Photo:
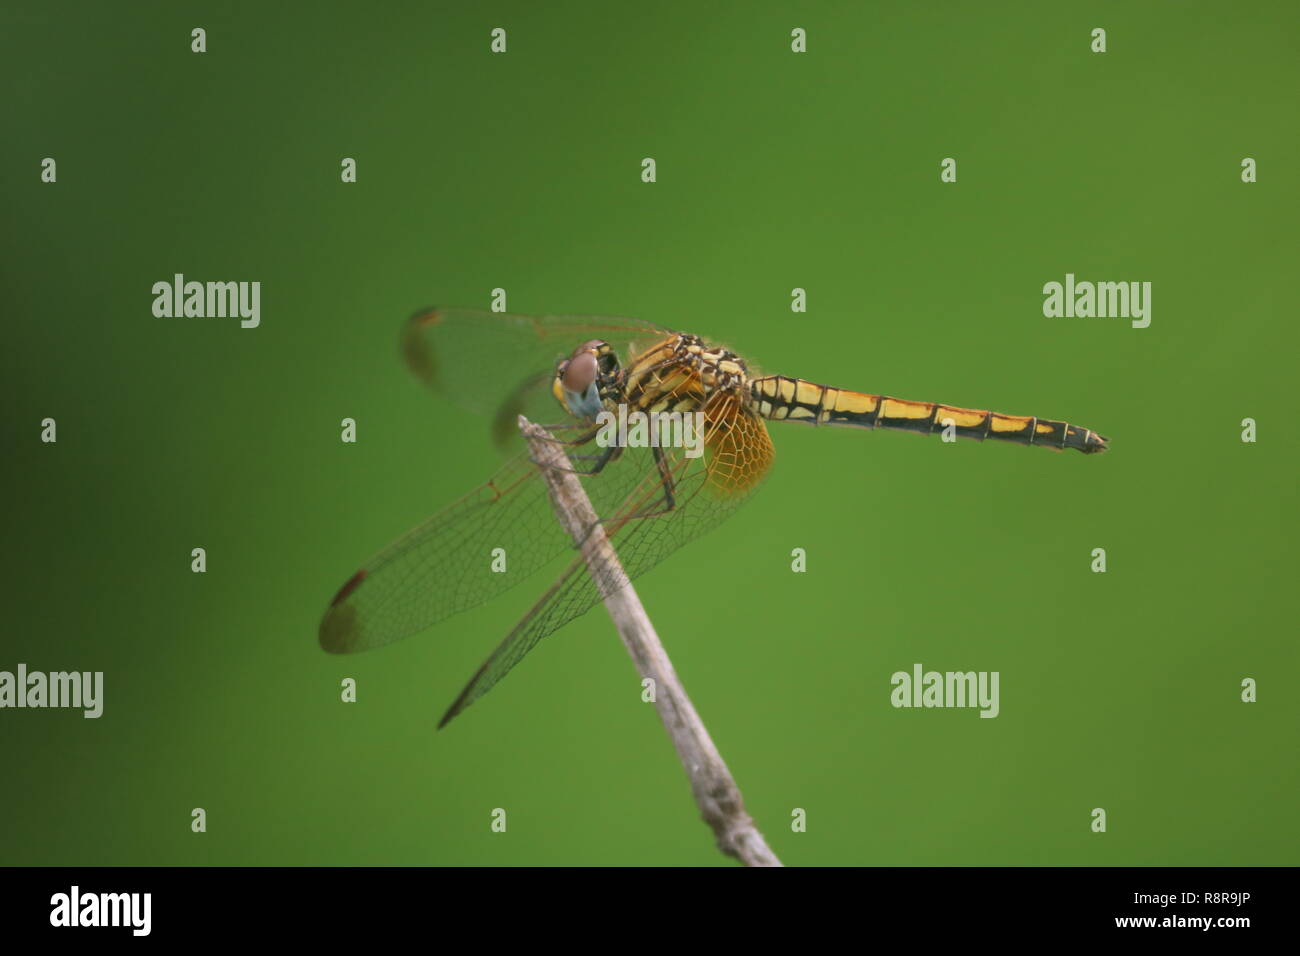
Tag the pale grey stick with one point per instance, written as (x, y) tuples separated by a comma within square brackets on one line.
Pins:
[(715, 791)]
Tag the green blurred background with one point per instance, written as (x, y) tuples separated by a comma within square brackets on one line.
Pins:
[(775, 171)]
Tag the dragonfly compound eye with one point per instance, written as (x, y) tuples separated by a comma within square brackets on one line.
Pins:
[(579, 373), (576, 387)]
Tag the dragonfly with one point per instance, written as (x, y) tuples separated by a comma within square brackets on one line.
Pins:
[(650, 498)]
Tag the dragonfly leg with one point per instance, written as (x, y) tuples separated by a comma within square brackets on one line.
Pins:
[(666, 483), (599, 461), (582, 439)]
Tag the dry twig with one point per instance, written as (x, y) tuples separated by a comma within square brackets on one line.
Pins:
[(715, 791)]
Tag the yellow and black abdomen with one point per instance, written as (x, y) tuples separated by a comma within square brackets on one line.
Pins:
[(779, 398)]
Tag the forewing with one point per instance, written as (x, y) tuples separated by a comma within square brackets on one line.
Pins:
[(444, 565), (452, 561), (501, 364)]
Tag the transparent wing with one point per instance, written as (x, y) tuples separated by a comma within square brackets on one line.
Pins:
[(707, 490), (502, 365), (444, 565), (468, 553)]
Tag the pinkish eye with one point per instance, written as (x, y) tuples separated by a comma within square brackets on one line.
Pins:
[(578, 374)]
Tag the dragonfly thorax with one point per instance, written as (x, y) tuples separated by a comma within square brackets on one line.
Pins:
[(718, 368), (680, 374)]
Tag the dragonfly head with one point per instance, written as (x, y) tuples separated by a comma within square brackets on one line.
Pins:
[(585, 378)]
